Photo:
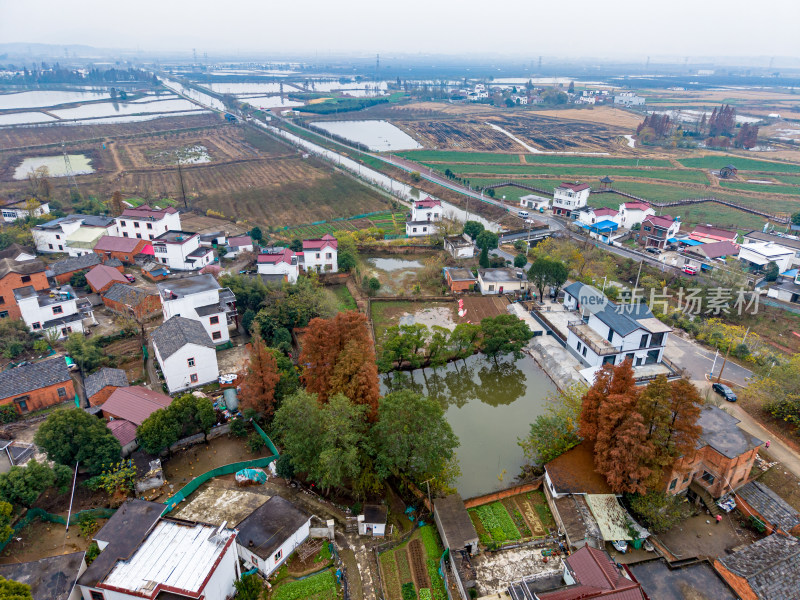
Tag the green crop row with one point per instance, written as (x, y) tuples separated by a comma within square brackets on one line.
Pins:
[(431, 542), (321, 586), (506, 522), (491, 524), (743, 164), (403, 568), (390, 574)]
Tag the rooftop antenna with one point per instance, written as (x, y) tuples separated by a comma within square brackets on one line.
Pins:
[(68, 167)]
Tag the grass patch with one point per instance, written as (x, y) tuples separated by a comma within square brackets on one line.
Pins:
[(344, 298), (743, 164), (454, 156), (542, 509), (497, 522), (321, 586), (759, 187), (685, 176)]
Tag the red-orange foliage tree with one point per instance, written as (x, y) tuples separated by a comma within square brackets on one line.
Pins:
[(338, 357), (259, 378), (592, 400)]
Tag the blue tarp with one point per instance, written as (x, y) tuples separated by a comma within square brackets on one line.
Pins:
[(606, 225), (685, 241), (256, 475)]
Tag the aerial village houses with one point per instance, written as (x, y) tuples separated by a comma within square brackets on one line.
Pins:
[(634, 213), (756, 256), (63, 270), (459, 279), (791, 243), (424, 216), (237, 245), (145, 555), (18, 253), (146, 223), (50, 578), (705, 256), (53, 236), (23, 210), (708, 234), (102, 383), (279, 261), (36, 386), (658, 231), (321, 255), (181, 251), (200, 298), (14, 275), (569, 197), (768, 569), (58, 310), (501, 281), (134, 404), (126, 250), (186, 354), (128, 300), (459, 246), (269, 535), (101, 277)]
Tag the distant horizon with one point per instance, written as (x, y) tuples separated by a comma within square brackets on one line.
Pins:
[(518, 29)]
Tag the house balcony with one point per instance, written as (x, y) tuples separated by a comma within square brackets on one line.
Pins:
[(587, 335)]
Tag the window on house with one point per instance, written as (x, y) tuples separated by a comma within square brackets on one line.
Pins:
[(193, 377), (25, 278), (584, 351), (214, 320), (138, 236), (4, 314), (318, 254), (57, 310), (190, 362), (657, 339), (36, 326), (643, 341), (58, 237), (122, 223), (215, 335), (278, 555), (62, 392), (136, 224), (50, 246), (149, 225), (647, 228), (708, 477), (414, 230), (673, 483), (97, 595), (22, 403), (328, 255), (2, 300), (579, 346), (124, 234), (686, 477), (60, 247), (610, 334)]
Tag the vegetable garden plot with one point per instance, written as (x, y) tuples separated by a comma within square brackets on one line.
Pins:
[(321, 586)]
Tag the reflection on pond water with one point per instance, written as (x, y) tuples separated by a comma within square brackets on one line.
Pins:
[(394, 264), (489, 406)]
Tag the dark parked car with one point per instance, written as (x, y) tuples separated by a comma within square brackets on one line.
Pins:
[(653, 250), (724, 391)]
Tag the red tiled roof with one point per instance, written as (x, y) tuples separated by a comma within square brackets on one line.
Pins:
[(242, 240), (597, 577), (636, 206), (123, 430), (573, 472), (144, 211), (113, 243), (605, 211), (325, 240), (101, 275), (664, 221), (575, 187), (135, 404), (712, 232), (278, 257), (716, 249), (427, 203)]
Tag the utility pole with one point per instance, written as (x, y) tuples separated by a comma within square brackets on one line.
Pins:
[(724, 362), (183, 188)]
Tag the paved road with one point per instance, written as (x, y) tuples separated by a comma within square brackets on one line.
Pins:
[(698, 361)]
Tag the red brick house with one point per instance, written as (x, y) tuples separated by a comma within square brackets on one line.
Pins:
[(122, 248), (459, 279), (101, 277), (17, 274), (723, 459), (63, 270), (101, 384), (120, 296), (36, 386)]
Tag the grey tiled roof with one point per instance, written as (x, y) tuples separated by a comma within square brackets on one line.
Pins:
[(126, 294), (771, 506), (102, 378), (176, 332), (75, 264), (623, 318), (22, 380), (721, 431), (771, 566)]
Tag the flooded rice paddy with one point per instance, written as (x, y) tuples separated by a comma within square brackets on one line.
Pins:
[(56, 167), (376, 135)]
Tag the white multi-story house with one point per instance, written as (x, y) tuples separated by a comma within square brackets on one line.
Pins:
[(57, 310), (21, 210), (321, 255), (146, 556), (424, 216), (757, 255), (517, 99), (628, 99), (614, 332), (200, 298), (181, 251), (51, 237), (279, 261), (590, 216), (657, 231), (185, 353), (269, 535), (568, 197), (634, 213), (147, 223)]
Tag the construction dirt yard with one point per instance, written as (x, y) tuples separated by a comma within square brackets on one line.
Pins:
[(238, 172), (497, 570), (702, 536)]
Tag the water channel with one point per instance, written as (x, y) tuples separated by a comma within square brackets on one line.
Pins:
[(489, 406)]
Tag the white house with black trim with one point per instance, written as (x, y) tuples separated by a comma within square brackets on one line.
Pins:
[(269, 535), (181, 251), (185, 353), (202, 299), (56, 310), (22, 210)]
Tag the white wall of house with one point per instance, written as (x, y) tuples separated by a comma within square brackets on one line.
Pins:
[(566, 199), (185, 307), (35, 316), (373, 529), (11, 214), (175, 255), (418, 229), (535, 202), (508, 286), (630, 217), (234, 251), (268, 566), (755, 253), (459, 250), (281, 268), (147, 229), (325, 259), (426, 213), (627, 346), (54, 239), (189, 367)]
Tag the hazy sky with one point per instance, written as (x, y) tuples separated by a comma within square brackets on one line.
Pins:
[(528, 28)]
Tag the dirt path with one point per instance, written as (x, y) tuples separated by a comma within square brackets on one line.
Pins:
[(522, 159), (112, 148)]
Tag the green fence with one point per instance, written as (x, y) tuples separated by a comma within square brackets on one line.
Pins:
[(195, 483), (37, 513)]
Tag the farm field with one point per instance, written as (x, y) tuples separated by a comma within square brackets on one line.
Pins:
[(413, 566), (321, 586), (743, 164), (388, 314), (762, 188), (434, 157), (683, 175), (238, 173), (521, 517), (391, 224)]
